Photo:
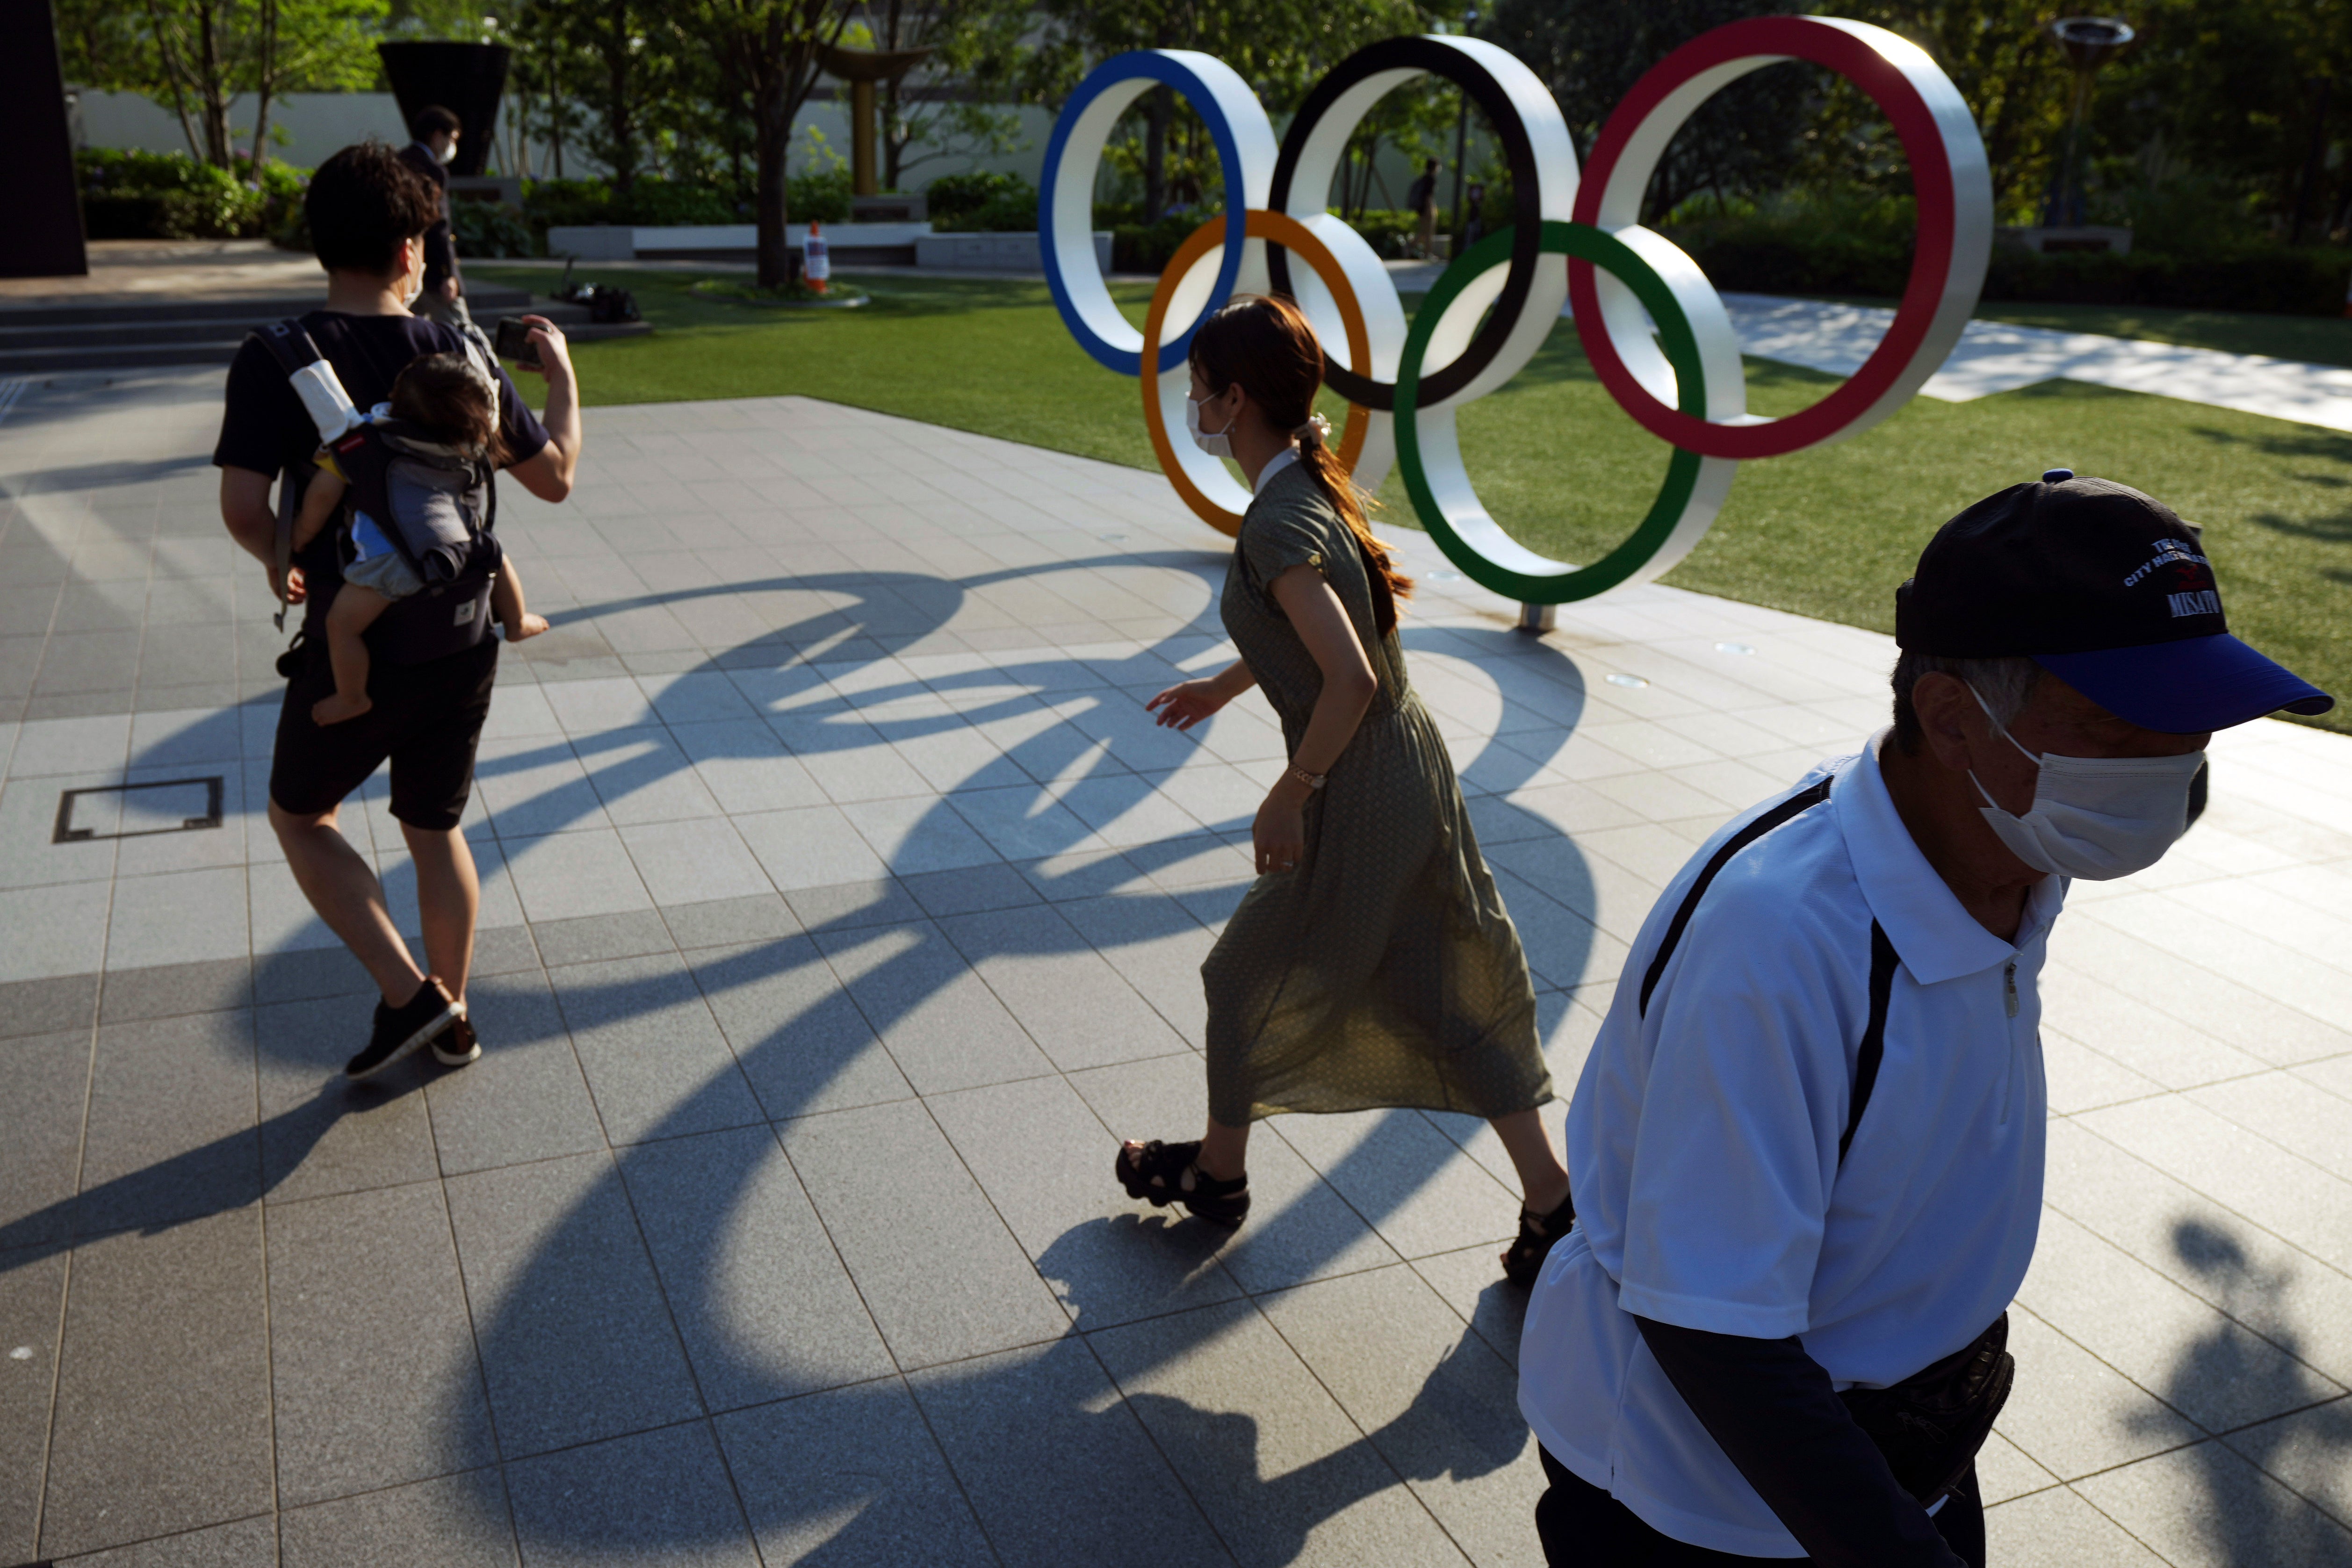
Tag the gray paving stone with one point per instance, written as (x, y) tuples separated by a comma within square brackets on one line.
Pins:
[(40, 1157), (907, 1216), (301, 974), (942, 1026), (524, 1098), (373, 1270), (134, 1383), (1087, 1485), (1046, 1162), (761, 1300), (2075, 1415), (44, 1007), (1431, 1395), (240, 1543), (2205, 1507), (171, 1125), (1156, 945), (850, 1477), (1471, 1284), (657, 1497), (168, 990), (2309, 1451), (592, 939), (504, 950), (1279, 1468), (32, 1312), (1400, 1173), (845, 906), (1075, 1005), (575, 1340), (727, 922), (804, 1045), (451, 1521), (652, 1054), (969, 889), (321, 1133)]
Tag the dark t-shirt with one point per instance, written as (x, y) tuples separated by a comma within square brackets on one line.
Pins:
[(264, 428), (440, 245)]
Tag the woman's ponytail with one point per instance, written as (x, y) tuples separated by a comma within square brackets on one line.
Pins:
[(1339, 487)]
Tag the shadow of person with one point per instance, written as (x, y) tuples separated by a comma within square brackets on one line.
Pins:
[(2302, 1439), (230, 1172)]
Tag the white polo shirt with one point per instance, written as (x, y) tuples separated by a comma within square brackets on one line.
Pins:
[(1703, 1141)]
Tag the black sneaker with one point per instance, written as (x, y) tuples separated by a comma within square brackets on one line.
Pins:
[(401, 1030), (455, 1046)]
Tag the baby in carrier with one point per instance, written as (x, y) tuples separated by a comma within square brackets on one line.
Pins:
[(447, 397)]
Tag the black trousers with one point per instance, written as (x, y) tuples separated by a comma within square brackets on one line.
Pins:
[(1583, 1527)]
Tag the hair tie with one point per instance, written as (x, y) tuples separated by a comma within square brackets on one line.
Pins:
[(1316, 431)]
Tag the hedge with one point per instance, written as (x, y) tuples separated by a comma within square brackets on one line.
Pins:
[(170, 195), (2272, 278)]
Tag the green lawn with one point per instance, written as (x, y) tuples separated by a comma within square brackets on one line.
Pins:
[(2322, 339), (1827, 532)]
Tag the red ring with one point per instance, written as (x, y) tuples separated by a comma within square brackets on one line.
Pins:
[(1822, 44)]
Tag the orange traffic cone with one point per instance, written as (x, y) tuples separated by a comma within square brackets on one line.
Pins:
[(819, 267)]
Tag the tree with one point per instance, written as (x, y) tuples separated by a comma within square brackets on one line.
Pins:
[(776, 44), (977, 52), (1590, 52)]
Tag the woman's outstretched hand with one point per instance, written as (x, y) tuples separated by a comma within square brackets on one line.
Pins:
[(1183, 706)]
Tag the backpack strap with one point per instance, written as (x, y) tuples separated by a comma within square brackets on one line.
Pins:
[(1796, 805), (314, 381)]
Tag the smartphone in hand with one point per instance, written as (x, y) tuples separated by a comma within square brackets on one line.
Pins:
[(514, 342)]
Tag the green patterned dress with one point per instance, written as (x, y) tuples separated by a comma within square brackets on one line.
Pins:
[(1384, 970)]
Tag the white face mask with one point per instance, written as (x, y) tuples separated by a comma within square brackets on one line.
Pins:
[(1220, 444), (412, 289), (448, 152), (2096, 818)]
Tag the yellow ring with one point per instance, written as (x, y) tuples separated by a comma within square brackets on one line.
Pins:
[(1292, 235)]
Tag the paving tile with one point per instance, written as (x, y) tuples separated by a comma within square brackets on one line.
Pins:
[(2205, 1507), (763, 1303), (2075, 1415), (906, 1214), (71, 745), (155, 919), (2308, 1452), (845, 906), (1408, 1180), (374, 1270), (1046, 1162), (134, 1383), (2212, 1369), (1088, 1486), (321, 1133), (656, 1497), (813, 847), (172, 1115), (40, 1158), (32, 1310), (204, 985), (971, 890), (1431, 1395), (2277, 1189), (54, 931), (852, 1477), (311, 972), (594, 938), (452, 1521), (1470, 1282), (730, 921), (44, 1007), (524, 1099), (641, 776), (653, 1055), (693, 861), (803, 1044), (566, 875), (240, 1543), (2280, 1106), (576, 1343), (942, 1026), (1077, 1006)]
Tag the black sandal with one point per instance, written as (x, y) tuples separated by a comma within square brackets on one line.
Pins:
[(1523, 1260), (1165, 1173)]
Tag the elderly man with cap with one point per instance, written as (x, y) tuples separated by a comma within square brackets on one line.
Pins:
[(1808, 1144)]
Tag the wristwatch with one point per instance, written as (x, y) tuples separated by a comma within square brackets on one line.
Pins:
[(1312, 780)]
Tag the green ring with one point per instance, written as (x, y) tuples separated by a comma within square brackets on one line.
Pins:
[(1585, 243)]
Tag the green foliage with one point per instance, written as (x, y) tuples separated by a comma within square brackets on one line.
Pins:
[(170, 195), (491, 229), (954, 197), (556, 203), (819, 195)]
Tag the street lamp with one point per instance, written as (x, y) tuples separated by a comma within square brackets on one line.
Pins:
[(2089, 42)]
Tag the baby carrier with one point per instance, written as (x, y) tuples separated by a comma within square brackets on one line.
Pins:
[(436, 504)]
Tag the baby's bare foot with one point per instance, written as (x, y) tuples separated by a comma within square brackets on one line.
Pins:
[(531, 625), (336, 707)]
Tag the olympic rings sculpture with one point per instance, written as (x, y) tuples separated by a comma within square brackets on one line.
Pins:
[(1573, 244)]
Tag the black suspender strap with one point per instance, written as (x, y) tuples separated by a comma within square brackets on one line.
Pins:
[(1883, 960), (1795, 805)]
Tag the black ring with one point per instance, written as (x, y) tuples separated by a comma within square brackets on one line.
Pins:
[(1433, 58)]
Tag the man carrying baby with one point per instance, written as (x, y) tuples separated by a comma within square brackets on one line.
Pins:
[(368, 215)]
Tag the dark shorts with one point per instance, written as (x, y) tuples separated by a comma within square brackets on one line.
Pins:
[(427, 719), (1581, 1526)]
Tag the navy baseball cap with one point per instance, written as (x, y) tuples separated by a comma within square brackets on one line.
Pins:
[(2105, 588)]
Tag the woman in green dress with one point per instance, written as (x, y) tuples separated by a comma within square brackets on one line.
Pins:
[(1371, 963)]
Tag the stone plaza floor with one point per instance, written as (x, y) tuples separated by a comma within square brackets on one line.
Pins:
[(842, 912)]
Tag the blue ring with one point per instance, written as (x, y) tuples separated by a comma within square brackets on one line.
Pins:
[(1151, 65)]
